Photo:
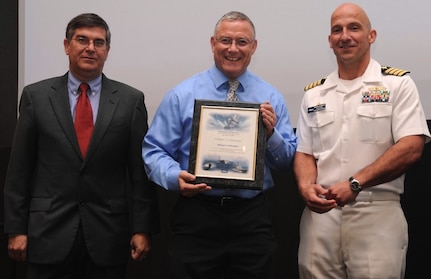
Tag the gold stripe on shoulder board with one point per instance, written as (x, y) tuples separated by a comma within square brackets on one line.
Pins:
[(394, 71), (314, 84)]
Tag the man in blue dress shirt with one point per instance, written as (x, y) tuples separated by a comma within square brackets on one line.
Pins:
[(219, 232)]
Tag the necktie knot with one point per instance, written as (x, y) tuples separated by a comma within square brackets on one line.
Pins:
[(83, 87), (231, 94)]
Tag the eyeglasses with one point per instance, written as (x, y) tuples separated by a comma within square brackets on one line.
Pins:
[(85, 42), (239, 42)]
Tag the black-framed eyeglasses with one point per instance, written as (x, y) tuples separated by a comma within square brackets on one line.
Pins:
[(241, 42), (85, 42)]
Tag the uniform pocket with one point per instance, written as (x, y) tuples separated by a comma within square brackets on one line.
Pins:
[(323, 129), (320, 119), (375, 122)]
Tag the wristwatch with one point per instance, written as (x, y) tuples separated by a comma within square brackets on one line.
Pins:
[(355, 185)]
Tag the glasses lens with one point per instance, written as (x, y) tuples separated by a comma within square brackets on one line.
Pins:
[(225, 41), (84, 42), (99, 43), (242, 42), (239, 42)]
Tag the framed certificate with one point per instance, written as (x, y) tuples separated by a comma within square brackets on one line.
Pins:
[(227, 147)]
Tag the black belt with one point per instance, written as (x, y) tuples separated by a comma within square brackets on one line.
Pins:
[(225, 200)]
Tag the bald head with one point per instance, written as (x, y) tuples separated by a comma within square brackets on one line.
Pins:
[(353, 11), (350, 38)]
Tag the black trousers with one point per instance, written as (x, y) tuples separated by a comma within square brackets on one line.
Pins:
[(215, 238), (77, 265)]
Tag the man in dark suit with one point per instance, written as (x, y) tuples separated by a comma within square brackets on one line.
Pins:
[(74, 212)]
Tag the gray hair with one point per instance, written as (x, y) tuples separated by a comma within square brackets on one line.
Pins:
[(234, 16)]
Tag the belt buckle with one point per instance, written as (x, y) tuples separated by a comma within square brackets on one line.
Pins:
[(224, 199)]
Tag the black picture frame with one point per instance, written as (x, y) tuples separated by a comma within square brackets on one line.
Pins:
[(227, 147)]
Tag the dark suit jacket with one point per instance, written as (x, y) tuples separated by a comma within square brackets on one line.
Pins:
[(50, 189)]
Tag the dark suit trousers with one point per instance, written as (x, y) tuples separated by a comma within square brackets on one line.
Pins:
[(229, 240), (77, 265)]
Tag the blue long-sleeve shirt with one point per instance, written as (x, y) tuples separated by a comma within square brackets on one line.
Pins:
[(166, 146)]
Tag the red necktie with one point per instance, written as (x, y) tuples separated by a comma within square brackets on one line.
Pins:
[(83, 119)]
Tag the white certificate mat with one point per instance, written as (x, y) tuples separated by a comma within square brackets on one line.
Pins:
[(228, 144)]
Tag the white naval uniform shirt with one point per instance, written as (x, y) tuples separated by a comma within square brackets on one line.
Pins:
[(358, 124)]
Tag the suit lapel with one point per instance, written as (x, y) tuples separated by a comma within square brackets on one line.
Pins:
[(107, 105), (59, 98)]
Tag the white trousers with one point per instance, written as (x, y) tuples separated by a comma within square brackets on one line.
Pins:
[(366, 239)]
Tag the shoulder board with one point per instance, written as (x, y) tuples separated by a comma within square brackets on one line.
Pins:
[(394, 71), (314, 84)]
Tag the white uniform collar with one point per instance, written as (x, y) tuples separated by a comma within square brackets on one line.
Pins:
[(373, 73)]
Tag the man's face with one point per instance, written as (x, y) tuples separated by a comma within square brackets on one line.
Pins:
[(87, 52), (351, 34), (233, 45)]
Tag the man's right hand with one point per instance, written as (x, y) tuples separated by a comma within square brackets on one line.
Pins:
[(189, 189), (17, 247), (314, 196)]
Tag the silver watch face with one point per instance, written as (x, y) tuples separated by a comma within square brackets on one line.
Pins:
[(354, 185)]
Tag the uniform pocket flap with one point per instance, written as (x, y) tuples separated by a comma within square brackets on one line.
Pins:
[(375, 110), (320, 119)]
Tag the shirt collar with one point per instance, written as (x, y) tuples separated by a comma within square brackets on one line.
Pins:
[(371, 74), (73, 84), (221, 80)]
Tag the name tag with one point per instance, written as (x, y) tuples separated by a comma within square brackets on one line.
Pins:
[(317, 108)]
